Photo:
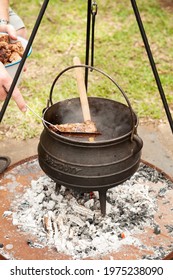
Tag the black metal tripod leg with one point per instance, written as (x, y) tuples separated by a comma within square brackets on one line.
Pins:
[(153, 66), (87, 42)]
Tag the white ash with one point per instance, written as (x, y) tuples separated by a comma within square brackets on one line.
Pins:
[(72, 222)]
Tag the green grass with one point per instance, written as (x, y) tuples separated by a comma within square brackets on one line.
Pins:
[(119, 52)]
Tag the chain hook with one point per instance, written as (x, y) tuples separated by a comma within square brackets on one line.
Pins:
[(94, 8), (94, 13)]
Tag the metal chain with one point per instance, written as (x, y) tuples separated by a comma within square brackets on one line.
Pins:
[(94, 9)]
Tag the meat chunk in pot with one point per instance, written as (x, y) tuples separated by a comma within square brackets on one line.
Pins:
[(85, 127)]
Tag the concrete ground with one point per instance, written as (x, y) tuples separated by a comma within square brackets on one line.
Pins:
[(157, 149)]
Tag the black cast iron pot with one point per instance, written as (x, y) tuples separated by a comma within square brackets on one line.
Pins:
[(74, 161)]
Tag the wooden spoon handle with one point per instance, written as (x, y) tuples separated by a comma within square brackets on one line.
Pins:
[(82, 90)]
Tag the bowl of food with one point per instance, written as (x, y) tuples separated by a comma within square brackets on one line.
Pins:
[(11, 52)]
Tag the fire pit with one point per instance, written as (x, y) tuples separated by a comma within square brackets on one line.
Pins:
[(107, 161), (138, 225)]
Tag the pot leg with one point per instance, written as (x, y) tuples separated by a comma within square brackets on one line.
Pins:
[(57, 188), (102, 198)]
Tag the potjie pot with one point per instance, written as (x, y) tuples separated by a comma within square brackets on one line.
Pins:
[(74, 161)]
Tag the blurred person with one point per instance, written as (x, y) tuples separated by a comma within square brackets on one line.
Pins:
[(12, 24)]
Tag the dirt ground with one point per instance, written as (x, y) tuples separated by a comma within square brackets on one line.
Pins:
[(168, 4)]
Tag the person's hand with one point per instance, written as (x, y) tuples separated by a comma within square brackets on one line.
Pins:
[(8, 28), (5, 83)]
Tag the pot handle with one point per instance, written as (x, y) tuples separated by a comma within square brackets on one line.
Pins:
[(106, 75), (139, 144)]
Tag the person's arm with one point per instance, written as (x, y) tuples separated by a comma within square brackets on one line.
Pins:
[(5, 79), (5, 83), (4, 13), (4, 20)]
